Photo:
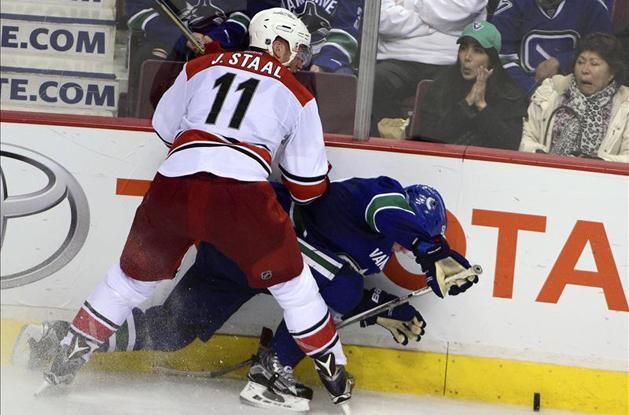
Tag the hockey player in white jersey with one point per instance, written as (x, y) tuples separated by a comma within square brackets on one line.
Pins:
[(224, 120)]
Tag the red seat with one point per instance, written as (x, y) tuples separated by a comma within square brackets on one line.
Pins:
[(335, 93), (420, 93), (336, 99), (620, 15), (156, 76)]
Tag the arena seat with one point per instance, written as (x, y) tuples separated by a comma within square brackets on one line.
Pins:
[(336, 99), (620, 15), (335, 93), (156, 76), (420, 93)]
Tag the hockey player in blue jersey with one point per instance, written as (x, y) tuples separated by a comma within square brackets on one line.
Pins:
[(348, 234), (539, 36)]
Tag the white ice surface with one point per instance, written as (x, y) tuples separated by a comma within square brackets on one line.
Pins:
[(101, 393)]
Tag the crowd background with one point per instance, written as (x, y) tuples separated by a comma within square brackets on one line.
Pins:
[(489, 73)]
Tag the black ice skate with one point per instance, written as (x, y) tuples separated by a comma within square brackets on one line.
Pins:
[(69, 359), (272, 385), (37, 344), (335, 378)]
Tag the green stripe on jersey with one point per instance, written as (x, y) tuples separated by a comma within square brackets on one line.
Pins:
[(322, 263), (137, 21), (240, 18), (343, 41), (298, 221), (384, 201)]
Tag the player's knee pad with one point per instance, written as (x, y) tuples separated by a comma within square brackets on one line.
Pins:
[(298, 292), (307, 316), (118, 294), (133, 291)]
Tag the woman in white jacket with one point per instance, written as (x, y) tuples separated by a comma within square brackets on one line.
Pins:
[(584, 114)]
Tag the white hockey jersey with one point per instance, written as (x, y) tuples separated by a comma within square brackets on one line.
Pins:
[(245, 106)]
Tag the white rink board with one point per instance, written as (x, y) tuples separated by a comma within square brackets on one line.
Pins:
[(579, 329)]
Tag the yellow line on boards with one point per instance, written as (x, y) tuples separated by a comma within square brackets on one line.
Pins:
[(399, 371)]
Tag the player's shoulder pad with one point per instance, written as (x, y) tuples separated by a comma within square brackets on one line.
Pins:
[(367, 188), (388, 184), (196, 65), (300, 92)]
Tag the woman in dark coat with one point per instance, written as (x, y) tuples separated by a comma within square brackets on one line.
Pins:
[(474, 102)]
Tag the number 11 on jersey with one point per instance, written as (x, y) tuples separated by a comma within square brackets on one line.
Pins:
[(223, 84)]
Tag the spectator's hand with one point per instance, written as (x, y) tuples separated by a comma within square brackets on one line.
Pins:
[(546, 69), (203, 40), (315, 68), (476, 96)]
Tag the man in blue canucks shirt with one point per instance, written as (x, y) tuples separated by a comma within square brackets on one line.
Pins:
[(345, 235), (539, 36), (222, 21), (334, 26)]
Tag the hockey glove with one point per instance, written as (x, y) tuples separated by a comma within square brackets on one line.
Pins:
[(403, 322), (453, 264), (428, 252)]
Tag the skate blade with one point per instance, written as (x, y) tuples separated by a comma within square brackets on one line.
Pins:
[(42, 388), (260, 396), (347, 410)]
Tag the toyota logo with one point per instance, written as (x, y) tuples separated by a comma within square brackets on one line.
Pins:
[(61, 185)]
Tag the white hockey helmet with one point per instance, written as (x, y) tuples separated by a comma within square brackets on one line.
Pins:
[(269, 24)]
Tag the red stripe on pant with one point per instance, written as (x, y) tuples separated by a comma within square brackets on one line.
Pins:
[(314, 342), (89, 325)]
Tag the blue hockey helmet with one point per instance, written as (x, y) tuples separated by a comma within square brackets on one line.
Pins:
[(428, 206)]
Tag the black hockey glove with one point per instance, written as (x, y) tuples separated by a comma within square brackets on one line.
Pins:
[(439, 262), (403, 322)]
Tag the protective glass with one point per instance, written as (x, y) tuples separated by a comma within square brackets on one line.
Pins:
[(303, 57)]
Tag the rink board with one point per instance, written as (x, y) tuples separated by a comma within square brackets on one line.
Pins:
[(549, 315)]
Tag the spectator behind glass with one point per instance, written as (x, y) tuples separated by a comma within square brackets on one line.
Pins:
[(539, 36), (222, 21), (585, 114), (416, 39), (474, 102), (334, 27)]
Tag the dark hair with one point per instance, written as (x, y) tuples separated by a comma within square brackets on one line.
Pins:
[(498, 84), (609, 48)]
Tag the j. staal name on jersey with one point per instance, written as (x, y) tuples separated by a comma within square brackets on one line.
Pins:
[(249, 62)]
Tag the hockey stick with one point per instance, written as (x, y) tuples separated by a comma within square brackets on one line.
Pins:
[(266, 332), (209, 374), (266, 336), (200, 49), (389, 305)]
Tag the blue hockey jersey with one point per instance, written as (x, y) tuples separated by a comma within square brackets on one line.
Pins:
[(357, 221), (225, 21), (530, 34)]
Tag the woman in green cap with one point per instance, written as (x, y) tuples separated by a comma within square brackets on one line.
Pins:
[(474, 102)]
